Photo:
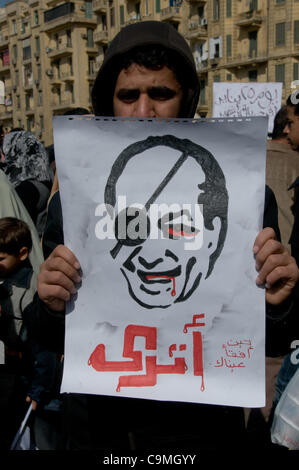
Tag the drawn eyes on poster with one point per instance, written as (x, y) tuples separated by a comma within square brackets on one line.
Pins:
[(176, 233)]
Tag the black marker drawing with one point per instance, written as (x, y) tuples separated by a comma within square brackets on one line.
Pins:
[(173, 274)]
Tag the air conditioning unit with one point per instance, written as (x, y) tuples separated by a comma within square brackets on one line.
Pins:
[(49, 72), (36, 55), (82, 7), (84, 36), (203, 21), (48, 49), (36, 82)]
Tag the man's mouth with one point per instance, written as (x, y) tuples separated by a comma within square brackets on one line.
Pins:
[(151, 277)]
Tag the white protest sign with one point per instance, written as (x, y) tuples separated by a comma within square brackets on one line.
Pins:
[(159, 214), (246, 100)]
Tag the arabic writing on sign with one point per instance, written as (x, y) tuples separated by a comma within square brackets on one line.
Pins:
[(179, 366), (246, 100), (236, 354)]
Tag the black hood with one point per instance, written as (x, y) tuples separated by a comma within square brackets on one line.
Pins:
[(144, 34)]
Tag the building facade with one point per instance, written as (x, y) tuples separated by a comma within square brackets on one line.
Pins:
[(50, 51)]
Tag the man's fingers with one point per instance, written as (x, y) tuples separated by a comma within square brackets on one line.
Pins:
[(270, 248), (263, 236), (62, 251), (271, 263), (56, 264)]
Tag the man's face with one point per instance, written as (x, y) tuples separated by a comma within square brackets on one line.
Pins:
[(142, 92), (161, 271), (292, 128)]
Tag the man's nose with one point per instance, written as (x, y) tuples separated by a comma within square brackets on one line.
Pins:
[(144, 106)]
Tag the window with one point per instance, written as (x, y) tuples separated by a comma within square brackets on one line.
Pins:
[(88, 9), (17, 78), (15, 51), (40, 97), (216, 13), (253, 5), (70, 63), (122, 14), (26, 49), (216, 78), (68, 38), (158, 6), (112, 17), (252, 75), (280, 34), (13, 26), (296, 71), (296, 32), (229, 45), (278, 2), (229, 77), (42, 124), (280, 73), (228, 8), (35, 17), (37, 44), (202, 96), (252, 43), (90, 37)]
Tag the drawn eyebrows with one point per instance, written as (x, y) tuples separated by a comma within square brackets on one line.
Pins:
[(154, 92)]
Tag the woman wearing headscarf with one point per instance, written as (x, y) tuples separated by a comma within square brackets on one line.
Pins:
[(26, 165)]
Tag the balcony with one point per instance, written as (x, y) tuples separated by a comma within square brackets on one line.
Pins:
[(63, 15), (67, 76), (171, 14), (63, 50), (4, 41), (99, 6), (250, 18), (101, 37), (197, 30), (244, 60)]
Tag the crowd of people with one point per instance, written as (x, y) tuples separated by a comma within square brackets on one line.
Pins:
[(148, 72)]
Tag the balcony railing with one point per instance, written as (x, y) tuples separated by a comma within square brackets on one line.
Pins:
[(99, 5), (170, 13), (250, 18)]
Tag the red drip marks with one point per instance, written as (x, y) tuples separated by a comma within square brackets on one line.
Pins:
[(173, 233), (173, 292)]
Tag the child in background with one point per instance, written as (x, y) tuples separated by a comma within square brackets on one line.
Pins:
[(17, 289)]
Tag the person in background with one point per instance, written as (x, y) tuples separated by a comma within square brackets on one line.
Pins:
[(17, 289), (26, 165), (282, 167)]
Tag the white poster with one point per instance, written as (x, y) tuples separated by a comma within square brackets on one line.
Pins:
[(162, 216), (246, 100)]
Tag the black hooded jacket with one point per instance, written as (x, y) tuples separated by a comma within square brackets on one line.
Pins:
[(146, 33)]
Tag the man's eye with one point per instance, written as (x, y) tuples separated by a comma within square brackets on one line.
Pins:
[(161, 93), (128, 96)]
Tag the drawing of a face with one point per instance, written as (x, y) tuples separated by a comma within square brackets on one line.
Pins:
[(159, 270)]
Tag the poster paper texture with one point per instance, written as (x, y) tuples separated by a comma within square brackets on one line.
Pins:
[(162, 216), (247, 99)]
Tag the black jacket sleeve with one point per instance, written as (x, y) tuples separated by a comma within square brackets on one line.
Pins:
[(282, 321)]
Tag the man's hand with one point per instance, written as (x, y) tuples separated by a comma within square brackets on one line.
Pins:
[(277, 269), (57, 278)]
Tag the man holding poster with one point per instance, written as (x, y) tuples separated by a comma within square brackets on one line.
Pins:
[(148, 72)]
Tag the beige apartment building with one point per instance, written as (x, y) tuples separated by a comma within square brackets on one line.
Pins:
[(50, 51)]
